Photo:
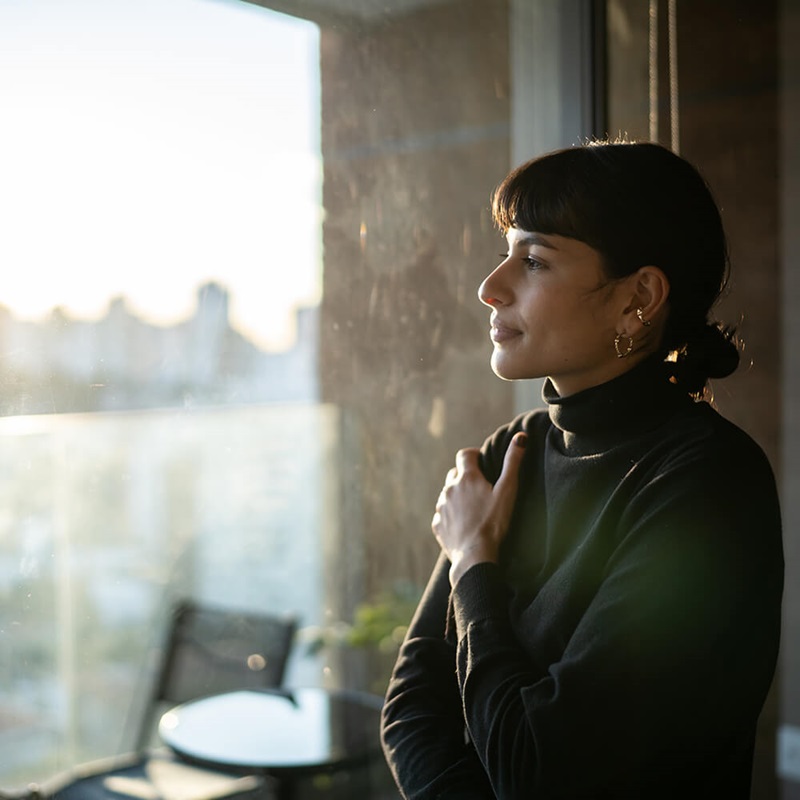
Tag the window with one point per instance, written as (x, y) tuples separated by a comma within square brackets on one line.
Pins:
[(161, 428), (242, 343)]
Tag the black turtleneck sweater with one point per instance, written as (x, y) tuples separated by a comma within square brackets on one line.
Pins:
[(624, 644)]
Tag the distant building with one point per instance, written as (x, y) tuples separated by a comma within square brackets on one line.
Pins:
[(123, 362)]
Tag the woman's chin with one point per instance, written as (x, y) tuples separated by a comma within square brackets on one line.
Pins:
[(506, 371)]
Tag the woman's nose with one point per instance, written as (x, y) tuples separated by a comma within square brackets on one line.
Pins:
[(486, 299), (491, 292)]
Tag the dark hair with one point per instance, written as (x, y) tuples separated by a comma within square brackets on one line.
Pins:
[(637, 204)]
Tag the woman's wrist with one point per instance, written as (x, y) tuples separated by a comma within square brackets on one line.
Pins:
[(467, 559)]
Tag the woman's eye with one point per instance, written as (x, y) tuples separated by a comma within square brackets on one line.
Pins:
[(530, 261)]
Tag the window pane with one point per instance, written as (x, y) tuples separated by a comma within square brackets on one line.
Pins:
[(162, 435), (245, 342)]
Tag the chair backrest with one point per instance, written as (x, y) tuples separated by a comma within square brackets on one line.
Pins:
[(211, 650)]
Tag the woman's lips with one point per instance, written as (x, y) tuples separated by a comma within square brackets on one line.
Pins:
[(500, 333)]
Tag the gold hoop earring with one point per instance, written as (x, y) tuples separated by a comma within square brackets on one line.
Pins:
[(640, 314), (618, 340)]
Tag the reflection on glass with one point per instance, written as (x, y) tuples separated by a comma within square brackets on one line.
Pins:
[(107, 519)]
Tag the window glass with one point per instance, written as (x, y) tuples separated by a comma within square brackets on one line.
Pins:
[(242, 342), (162, 435)]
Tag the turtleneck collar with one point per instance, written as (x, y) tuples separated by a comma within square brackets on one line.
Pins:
[(595, 419)]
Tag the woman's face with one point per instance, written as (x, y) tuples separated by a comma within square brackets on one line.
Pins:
[(555, 313)]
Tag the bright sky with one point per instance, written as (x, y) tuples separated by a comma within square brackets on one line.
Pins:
[(147, 146)]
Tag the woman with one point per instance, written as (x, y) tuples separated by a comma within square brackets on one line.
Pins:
[(603, 620)]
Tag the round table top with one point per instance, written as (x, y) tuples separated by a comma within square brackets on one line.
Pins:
[(275, 730)]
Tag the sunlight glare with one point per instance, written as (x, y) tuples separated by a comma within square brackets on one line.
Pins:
[(154, 147)]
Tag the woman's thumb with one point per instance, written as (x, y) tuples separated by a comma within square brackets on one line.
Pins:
[(509, 477)]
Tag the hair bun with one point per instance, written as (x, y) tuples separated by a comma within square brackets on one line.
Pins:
[(711, 351)]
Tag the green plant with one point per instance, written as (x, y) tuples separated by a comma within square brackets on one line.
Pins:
[(379, 624)]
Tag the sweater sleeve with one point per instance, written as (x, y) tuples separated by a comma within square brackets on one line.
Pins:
[(666, 671), (423, 731)]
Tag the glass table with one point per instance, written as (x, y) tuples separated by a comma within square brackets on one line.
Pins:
[(281, 733)]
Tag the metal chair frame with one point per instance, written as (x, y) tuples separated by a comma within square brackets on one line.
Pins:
[(270, 638), (263, 644)]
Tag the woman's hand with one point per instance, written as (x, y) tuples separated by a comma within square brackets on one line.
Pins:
[(472, 516)]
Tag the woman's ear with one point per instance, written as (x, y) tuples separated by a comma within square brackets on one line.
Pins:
[(650, 288)]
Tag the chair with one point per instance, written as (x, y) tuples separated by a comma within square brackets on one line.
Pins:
[(211, 650), (207, 650)]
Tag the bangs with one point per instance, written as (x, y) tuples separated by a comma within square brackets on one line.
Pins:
[(558, 194)]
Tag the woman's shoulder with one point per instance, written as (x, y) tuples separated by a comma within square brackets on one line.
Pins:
[(701, 441), (703, 426)]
